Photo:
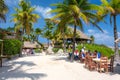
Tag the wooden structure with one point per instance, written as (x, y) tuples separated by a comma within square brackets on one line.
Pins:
[(8, 35), (1, 53), (5, 35)]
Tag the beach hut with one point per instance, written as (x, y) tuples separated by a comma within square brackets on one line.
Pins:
[(29, 45), (80, 36)]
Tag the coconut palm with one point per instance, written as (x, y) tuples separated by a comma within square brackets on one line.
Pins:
[(24, 17), (92, 39), (38, 31), (48, 30), (10, 29), (3, 10), (60, 33), (75, 12), (112, 8)]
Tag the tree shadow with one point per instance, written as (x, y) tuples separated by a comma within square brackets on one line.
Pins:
[(7, 72), (116, 70), (65, 58)]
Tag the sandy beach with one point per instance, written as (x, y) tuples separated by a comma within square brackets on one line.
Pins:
[(50, 67)]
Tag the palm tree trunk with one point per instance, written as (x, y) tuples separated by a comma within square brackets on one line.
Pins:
[(37, 37), (74, 36), (28, 37), (21, 36), (64, 42), (115, 37), (48, 42)]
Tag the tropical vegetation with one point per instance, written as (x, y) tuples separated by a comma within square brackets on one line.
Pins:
[(48, 30), (75, 12), (112, 8), (104, 50), (3, 10), (69, 13), (11, 47), (24, 17)]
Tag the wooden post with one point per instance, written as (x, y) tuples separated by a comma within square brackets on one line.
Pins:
[(2, 48), (1, 53)]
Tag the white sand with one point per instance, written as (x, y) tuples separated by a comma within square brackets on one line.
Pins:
[(47, 67)]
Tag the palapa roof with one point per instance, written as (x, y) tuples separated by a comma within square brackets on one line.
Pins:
[(80, 34), (28, 44)]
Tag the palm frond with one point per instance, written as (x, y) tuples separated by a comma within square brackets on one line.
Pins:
[(83, 17), (94, 24)]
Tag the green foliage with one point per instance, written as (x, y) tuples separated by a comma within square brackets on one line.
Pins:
[(37, 51), (24, 18), (104, 50), (11, 47), (1, 36), (55, 50), (3, 10)]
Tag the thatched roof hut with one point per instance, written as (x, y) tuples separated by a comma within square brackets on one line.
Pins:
[(80, 36), (28, 44)]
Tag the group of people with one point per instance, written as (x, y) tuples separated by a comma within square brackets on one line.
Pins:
[(28, 51), (80, 55)]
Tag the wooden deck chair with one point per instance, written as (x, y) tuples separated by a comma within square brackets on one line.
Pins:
[(91, 64), (110, 65), (103, 64)]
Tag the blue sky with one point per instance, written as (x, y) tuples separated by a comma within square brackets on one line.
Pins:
[(43, 6)]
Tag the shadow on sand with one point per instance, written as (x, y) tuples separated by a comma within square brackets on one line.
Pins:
[(116, 70), (9, 72), (65, 58)]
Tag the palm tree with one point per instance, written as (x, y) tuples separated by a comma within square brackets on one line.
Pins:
[(75, 12), (32, 36), (24, 17), (48, 33), (92, 39), (112, 8), (38, 31), (10, 29), (3, 10)]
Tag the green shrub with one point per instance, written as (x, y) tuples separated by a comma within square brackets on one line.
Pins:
[(37, 51), (11, 47), (55, 50), (104, 50)]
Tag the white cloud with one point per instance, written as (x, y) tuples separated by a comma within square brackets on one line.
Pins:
[(106, 32), (119, 34), (91, 31), (102, 38), (44, 11), (12, 2)]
